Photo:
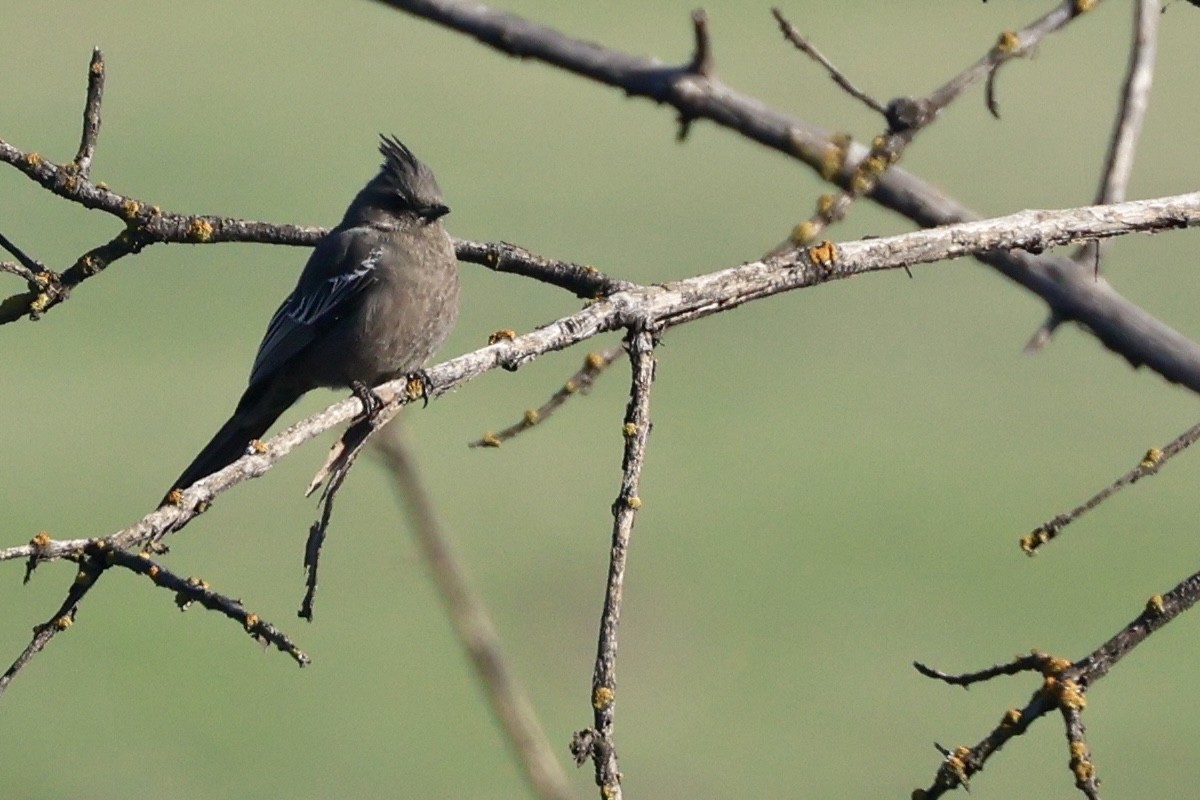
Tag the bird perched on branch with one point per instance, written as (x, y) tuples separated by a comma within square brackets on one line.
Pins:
[(378, 296)]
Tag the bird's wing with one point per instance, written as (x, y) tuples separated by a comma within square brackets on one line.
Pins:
[(341, 266)]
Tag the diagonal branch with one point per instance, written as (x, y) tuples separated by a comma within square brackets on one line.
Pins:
[(1120, 325), (1064, 687), (667, 305), (470, 619)]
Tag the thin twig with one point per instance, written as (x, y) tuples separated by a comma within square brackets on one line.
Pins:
[(31, 266), (1149, 465), (583, 280), (90, 569), (906, 117), (597, 742), (1080, 755), (581, 382), (91, 115), (1131, 115), (1064, 687), (793, 35), (1025, 663), (194, 590), (472, 624), (1135, 101)]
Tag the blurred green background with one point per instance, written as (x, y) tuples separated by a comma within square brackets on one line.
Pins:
[(836, 481)]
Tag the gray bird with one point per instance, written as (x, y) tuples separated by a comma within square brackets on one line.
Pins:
[(376, 299)]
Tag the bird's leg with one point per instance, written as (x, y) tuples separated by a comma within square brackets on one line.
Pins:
[(371, 402), (418, 385)]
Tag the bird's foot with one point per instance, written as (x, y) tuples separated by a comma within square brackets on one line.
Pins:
[(371, 402)]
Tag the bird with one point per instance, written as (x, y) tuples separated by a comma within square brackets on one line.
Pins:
[(376, 299)]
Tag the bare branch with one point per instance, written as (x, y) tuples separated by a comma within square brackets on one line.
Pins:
[(793, 35), (597, 743), (671, 304), (1120, 325), (90, 569), (91, 115), (472, 624), (194, 590), (1064, 687), (1131, 114), (583, 280), (1149, 465), (1080, 760), (594, 365), (1135, 101)]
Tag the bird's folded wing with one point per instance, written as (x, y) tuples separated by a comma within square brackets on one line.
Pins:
[(339, 269)]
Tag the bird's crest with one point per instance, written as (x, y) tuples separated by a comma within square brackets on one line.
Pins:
[(405, 175)]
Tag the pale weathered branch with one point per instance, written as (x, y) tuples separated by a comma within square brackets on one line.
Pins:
[(667, 305), (597, 741), (1131, 115)]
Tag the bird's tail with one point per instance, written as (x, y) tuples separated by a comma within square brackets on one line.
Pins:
[(255, 413)]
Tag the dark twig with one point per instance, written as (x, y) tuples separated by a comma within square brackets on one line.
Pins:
[(793, 35), (472, 624), (597, 742), (593, 366), (1080, 755), (702, 56), (32, 265), (1149, 465), (1026, 663), (906, 117), (584, 280), (91, 567), (194, 590), (91, 115), (335, 472), (1131, 115), (1064, 686), (701, 65)]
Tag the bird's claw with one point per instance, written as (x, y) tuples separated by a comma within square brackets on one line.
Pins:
[(371, 402)]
